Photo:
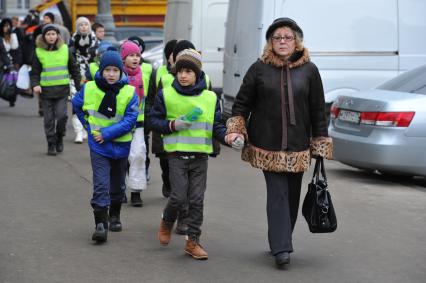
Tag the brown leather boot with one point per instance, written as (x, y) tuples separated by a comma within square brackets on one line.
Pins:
[(195, 250), (165, 232)]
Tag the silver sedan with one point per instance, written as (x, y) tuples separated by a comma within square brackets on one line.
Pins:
[(384, 128)]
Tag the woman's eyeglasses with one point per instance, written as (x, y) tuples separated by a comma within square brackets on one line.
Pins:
[(285, 38)]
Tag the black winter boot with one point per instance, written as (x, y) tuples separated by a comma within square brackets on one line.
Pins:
[(101, 230), (135, 199), (51, 150), (59, 143), (114, 217)]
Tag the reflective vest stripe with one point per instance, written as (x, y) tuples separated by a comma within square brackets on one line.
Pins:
[(201, 126), (187, 140), (53, 78), (96, 114), (52, 69)]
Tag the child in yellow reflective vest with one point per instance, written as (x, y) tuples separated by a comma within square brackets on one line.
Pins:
[(108, 108), (188, 140)]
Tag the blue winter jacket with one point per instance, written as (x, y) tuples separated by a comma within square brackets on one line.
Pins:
[(157, 115), (109, 148)]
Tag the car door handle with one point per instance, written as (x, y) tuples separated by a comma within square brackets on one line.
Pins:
[(220, 49), (237, 75)]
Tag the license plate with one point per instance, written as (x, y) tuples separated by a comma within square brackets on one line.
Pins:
[(349, 116)]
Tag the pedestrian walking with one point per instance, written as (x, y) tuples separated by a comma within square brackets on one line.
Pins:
[(147, 68), (157, 141), (83, 45), (282, 99), (139, 76), (50, 75), (108, 109), (187, 145)]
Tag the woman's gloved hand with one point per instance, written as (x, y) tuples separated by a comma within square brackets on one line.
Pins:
[(236, 141)]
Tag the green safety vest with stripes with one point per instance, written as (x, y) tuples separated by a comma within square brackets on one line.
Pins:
[(199, 137), (167, 80), (54, 66), (162, 70), (93, 67), (146, 70), (92, 99)]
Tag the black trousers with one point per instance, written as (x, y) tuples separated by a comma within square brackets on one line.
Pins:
[(55, 116), (188, 178), (282, 205), (164, 164)]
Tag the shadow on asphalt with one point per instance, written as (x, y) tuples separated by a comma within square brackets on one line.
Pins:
[(417, 183)]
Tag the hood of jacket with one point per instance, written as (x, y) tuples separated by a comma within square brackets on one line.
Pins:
[(297, 59), (40, 43), (196, 89)]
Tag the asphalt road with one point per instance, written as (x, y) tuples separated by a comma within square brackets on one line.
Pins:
[(46, 222)]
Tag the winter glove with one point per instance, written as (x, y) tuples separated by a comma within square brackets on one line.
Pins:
[(180, 124), (238, 144)]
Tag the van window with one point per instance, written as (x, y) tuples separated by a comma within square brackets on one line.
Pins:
[(213, 35)]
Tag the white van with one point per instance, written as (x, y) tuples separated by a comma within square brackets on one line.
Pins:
[(202, 23), (356, 44)]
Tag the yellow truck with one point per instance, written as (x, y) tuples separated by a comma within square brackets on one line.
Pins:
[(138, 13)]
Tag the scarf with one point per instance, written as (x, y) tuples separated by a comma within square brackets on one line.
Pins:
[(108, 106), (135, 79)]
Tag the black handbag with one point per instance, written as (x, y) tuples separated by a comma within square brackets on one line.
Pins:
[(318, 208)]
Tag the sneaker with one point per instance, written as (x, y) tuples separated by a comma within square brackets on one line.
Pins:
[(135, 199), (60, 144), (194, 249)]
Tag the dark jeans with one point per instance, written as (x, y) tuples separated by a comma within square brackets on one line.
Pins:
[(188, 179), (55, 112), (282, 205), (108, 180)]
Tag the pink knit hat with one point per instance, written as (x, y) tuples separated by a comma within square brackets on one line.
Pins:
[(129, 47)]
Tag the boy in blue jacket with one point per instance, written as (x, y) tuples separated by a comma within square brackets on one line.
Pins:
[(108, 107), (188, 140)]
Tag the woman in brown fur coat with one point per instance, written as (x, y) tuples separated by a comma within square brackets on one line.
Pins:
[(281, 100)]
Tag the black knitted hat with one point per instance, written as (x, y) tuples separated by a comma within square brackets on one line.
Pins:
[(180, 46), (139, 41), (49, 27), (168, 48)]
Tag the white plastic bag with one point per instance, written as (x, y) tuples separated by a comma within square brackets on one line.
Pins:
[(23, 81)]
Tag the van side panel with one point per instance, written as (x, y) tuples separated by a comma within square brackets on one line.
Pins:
[(244, 30), (412, 29), (212, 38)]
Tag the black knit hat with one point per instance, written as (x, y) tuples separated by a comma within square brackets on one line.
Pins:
[(283, 22), (51, 16), (139, 41), (180, 46), (168, 48), (49, 27)]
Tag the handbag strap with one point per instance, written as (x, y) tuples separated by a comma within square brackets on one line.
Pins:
[(319, 170)]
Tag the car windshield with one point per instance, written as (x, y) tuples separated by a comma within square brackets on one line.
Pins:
[(413, 81)]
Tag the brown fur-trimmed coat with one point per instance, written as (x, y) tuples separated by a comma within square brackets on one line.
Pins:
[(258, 106)]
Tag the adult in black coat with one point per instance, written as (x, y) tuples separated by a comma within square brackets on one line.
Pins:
[(281, 100)]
